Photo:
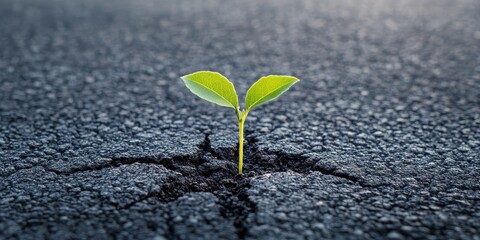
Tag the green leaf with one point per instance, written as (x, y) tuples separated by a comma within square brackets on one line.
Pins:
[(267, 89), (213, 87)]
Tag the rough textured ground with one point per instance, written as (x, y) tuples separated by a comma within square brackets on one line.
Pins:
[(100, 139)]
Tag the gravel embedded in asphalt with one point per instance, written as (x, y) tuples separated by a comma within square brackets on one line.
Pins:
[(382, 134)]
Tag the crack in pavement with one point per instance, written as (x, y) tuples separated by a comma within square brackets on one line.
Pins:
[(209, 171)]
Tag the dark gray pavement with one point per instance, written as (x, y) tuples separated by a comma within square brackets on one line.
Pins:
[(99, 139)]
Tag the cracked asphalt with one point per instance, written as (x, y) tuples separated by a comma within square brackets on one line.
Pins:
[(99, 137)]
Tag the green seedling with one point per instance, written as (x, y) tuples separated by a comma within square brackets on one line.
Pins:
[(215, 88)]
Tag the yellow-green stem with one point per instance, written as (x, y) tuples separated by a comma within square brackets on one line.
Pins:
[(240, 145)]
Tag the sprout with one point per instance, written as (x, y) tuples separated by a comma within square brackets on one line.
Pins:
[(215, 88)]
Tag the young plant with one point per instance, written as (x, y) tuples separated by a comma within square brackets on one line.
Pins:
[(215, 88)]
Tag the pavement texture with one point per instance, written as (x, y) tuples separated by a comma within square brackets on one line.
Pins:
[(100, 139)]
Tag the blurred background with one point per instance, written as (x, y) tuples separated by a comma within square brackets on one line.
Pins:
[(95, 64)]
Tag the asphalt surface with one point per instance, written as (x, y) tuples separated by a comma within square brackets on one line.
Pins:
[(99, 139)]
